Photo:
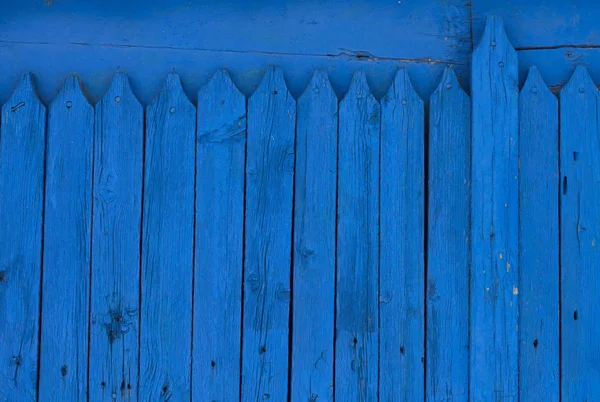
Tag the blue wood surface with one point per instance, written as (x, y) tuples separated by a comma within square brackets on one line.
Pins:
[(116, 231), (494, 263), (448, 242), (357, 298), (67, 246), (314, 242), (22, 146), (149, 38), (539, 374), (402, 262), (220, 163), (167, 246), (580, 231), (268, 232)]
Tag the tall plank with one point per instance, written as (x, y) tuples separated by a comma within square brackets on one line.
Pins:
[(402, 208), (269, 191), (494, 261), (220, 162), (22, 143), (580, 233), (448, 242), (357, 299), (67, 246), (314, 242), (116, 227), (167, 246), (538, 242)]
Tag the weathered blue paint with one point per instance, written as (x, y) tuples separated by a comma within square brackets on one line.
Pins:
[(494, 256), (267, 266), (402, 262), (448, 242), (167, 246), (580, 231), (22, 143), (116, 231), (314, 242), (357, 291), (539, 373), (220, 163), (67, 246)]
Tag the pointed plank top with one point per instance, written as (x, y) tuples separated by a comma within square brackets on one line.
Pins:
[(273, 83), (448, 84), (579, 83), (25, 91), (120, 91), (172, 90), (359, 89), (402, 85), (73, 90), (220, 82), (319, 86), (494, 37), (535, 86)]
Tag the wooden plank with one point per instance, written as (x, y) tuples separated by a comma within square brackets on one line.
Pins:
[(167, 246), (314, 242), (538, 242), (22, 143), (580, 231), (448, 242), (269, 191), (402, 262), (67, 246), (116, 228), (357, 301), (494, 262), (220, 163)]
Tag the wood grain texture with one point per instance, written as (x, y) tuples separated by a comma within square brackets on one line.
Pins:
[(580, 231), (269, 193), (22, 147), (167, 246), (220, 163), (314, 242), (67, 246), (357, 299), (116, 230), (402, 262), (448, 242), (494, 261), (538, 242)]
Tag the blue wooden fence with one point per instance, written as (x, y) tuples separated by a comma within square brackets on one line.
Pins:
[(310, 249)]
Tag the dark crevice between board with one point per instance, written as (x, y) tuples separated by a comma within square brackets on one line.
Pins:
[(141, 245), (335, 271), (469, 247), (379, 262), (195, 142), (555, 47), (559, 199), (41, 284), (291, 289), (425, 240), (91, 256), (361, 55), (243, 252)]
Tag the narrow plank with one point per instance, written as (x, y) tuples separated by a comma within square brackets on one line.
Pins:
[(117, 208), (167, 246), (220, 163), (538, 242), (580, 233), (269, 191), (22, 143), (494, 276), (357, 301), (448, 242), (402, 269), (314, 242), (67, 246)]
